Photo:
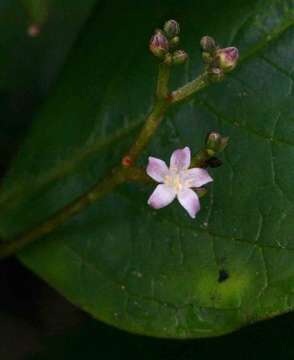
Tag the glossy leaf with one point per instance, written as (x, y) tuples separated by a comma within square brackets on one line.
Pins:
[(159, 272)]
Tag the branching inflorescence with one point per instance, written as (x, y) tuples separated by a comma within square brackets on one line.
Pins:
[(186, 171), (178, 180)]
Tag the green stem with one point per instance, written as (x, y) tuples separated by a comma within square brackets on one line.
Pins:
[(190, 88), (115, 178), (154, 118), (152, 123), (102, 188), (162, 81)]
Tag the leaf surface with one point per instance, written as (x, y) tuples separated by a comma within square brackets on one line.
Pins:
[(159, 272)]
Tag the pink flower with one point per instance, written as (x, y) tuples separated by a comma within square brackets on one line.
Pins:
[(176, 181)]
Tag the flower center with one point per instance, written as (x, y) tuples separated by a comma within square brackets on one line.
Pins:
[(174, 180)]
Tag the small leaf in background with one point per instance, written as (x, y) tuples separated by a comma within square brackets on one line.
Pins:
[(37, 13), (161, 273), (29, 67)]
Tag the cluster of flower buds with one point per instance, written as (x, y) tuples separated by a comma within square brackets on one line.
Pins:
[(218, 60), (164, 43)]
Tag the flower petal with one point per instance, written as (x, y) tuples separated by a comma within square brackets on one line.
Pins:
[(162, 196), (197, 177), (190, 201), (180, 159), (156, 169)]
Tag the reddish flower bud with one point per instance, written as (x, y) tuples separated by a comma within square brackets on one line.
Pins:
[(171, 28), (227, 58), (159, 44)]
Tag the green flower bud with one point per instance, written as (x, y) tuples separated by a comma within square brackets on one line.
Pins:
[(171, 28), (224, 143), (159, 44), (210, 152), (179, 57), (216, 142), (227, 58), (174, 42), (213, 141), (208, 44), (168, 59), (207, 57)]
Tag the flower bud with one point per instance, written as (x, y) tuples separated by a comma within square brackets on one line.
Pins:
[(216, 74), (159, 44), (174, 42), (207, 57), (171, 28), (168, 59), (179, 57), (202, 191), (208, 44), (224, 143), (216, 142), (213, 141), (227, 58)]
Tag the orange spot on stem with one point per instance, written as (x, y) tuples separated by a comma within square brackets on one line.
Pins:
[(34, 30), (126, 161), (169, 97)]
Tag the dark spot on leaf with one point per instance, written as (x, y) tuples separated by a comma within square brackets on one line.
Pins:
[(223, 275)]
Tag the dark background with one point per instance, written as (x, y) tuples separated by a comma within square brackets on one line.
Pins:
[(38, 324)]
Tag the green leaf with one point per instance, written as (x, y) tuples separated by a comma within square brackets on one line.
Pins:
[(159, 272)]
